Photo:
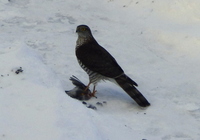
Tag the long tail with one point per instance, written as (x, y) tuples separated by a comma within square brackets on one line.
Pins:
[(128, 85)]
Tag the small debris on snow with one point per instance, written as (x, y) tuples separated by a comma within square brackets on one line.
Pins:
[(99, 104), (3, 75), (84, 103), (92, 107), (18, 70), (89, 105)]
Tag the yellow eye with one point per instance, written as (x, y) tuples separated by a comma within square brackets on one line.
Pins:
[(83, 29)]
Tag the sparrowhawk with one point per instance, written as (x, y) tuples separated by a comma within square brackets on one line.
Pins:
[(99, 64)]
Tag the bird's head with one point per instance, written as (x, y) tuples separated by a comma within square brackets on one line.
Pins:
[(83, 31)]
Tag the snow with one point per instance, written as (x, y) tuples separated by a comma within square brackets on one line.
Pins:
[(155, 42)]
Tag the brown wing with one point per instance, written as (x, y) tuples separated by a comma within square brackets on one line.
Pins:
[(97, 59)]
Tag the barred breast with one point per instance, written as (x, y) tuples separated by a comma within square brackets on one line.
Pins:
[(93, 76)]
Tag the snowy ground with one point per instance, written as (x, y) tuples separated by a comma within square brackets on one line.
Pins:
[(155, 42)]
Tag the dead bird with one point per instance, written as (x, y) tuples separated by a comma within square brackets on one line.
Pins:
[(79, 92)]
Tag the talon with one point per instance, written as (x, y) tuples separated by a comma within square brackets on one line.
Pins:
[(93, 94)]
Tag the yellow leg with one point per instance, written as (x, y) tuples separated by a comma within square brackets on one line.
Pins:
[(93, 92), (87, 87)]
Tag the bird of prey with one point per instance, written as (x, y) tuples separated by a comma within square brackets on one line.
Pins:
[(99, 64)]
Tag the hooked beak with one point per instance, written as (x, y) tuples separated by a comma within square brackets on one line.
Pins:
[(77, 30)]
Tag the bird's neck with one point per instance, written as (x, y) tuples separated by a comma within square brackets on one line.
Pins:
[(81, 40)]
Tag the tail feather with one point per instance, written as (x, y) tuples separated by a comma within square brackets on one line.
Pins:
[(128, 85)]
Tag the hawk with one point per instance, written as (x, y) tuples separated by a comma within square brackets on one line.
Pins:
[(99, 64)]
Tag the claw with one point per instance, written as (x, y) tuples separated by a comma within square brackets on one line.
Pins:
[(93, 94)]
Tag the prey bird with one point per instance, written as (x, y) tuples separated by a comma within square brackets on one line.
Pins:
[(99, 64), (79, 92)]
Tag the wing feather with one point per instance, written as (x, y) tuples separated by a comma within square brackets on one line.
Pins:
[(97, 59)]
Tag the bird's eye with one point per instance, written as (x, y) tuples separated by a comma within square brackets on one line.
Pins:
[(83, 29)]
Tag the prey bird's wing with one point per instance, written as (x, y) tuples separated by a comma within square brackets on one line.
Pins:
[(77, 82)]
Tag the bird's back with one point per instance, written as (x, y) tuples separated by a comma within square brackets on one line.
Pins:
[(98, 60)]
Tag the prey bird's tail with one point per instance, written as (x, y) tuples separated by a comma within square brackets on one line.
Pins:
[(128, 85)]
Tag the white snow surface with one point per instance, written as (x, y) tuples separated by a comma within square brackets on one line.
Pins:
[(157, 43)]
